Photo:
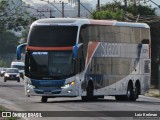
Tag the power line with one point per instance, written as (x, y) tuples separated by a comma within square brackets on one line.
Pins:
[(62, 3)]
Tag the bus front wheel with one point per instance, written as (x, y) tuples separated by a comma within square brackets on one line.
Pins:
[(89, 90)]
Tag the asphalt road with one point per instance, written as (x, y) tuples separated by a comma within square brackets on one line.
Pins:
[(12, 96)]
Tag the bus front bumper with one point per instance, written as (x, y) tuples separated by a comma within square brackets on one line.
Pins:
[(69, 91)]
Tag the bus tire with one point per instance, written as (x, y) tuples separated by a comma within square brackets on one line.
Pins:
[(137, 89), (84, 98), (89, 90), (44, 99), (130, 93)]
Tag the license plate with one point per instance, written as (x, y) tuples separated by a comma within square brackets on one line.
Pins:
[(48, 93)]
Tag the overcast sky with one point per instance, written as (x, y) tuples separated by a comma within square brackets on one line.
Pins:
[(91, 1)]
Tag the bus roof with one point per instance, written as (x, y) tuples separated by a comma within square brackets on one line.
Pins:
[(82, 21)]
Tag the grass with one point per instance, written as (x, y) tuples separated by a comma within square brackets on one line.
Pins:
[(3, 109), (153, 93)]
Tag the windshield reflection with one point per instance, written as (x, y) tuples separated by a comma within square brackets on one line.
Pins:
[(49, 65)]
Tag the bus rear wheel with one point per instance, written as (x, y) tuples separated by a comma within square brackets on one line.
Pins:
[(44, 99), (131, 93)]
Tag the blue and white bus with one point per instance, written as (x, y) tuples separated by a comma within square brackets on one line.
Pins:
[(88, 58)]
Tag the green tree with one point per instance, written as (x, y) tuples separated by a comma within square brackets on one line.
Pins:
[(141, 10), (8, 42), (110, 11), (117, 11), (12, 14)]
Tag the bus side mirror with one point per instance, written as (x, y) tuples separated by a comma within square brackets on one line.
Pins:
[(19, 50), (75, 50)]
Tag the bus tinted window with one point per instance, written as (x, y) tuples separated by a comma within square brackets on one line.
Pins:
[(50, 36)]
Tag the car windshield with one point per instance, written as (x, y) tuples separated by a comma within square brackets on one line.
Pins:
[(18, 66), (11, 71)]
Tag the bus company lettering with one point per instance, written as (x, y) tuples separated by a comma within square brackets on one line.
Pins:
[(110, 50)]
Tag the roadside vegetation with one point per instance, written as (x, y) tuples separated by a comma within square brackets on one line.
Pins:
[(3, 109), (14, 19), (153, 93), (117, 11)]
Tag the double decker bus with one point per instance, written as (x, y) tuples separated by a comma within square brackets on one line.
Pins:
[(88, 58)]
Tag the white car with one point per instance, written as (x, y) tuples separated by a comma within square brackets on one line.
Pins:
[(12, 74), (20, 67), (2, 72)]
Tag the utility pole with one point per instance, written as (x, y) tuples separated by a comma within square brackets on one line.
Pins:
[(62, 12), (79, 8), (98, 5), (62, 9), (50, 11), (125, 5)]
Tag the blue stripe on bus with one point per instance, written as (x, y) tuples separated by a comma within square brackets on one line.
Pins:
[(42, 92), (48, 83), (52, 86)]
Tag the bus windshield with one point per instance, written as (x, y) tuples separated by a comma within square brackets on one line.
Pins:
[(52, 36), (53, 64)]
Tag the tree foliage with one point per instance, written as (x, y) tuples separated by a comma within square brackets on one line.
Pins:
[(117, 11), (107, 14), (8, 42), (141, 10), (12, 14), (109, 11)]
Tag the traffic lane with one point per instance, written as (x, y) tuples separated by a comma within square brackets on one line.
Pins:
[(14, 92), (107, 104)]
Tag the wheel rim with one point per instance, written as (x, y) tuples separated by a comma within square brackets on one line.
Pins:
[(128, 93)]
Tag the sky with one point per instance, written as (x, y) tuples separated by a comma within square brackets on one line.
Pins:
[(66, 1), (95, 1)]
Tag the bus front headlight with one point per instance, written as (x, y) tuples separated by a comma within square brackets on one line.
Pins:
[(68, 85), (29, 83)]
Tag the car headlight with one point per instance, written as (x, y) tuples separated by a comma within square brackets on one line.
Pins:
[(6, 75), (68, 85), (17, 75)]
